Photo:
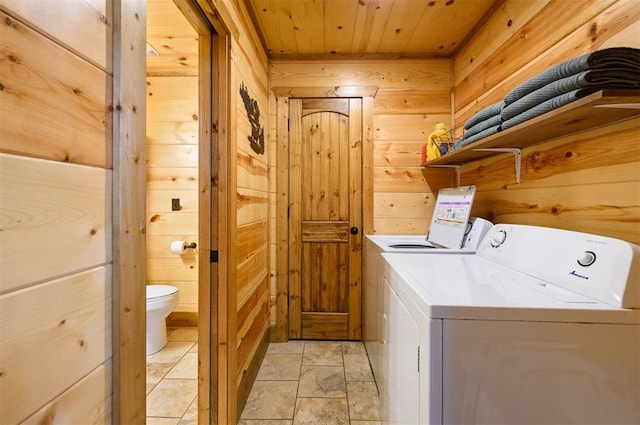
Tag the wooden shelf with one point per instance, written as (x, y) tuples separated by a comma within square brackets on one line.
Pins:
[(597, 109)]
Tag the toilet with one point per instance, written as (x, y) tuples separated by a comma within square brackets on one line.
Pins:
[(161, 300)]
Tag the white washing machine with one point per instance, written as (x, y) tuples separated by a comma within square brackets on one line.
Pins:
[(539, 326), (452, 230), (375, 246)]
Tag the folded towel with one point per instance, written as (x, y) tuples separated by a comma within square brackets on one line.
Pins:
[(596, 79), (481, 135), (621, 58), (546, 106), (483, 114), (483, 125)]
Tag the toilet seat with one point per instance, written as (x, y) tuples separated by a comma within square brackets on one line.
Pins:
[(155, 292)]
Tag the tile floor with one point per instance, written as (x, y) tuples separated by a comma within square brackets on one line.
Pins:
[(299, 383), (313, 383), (172, 380)]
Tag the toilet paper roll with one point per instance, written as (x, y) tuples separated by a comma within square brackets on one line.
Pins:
[(178, 247)]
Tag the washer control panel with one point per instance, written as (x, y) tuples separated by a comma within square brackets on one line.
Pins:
[(599, 267)]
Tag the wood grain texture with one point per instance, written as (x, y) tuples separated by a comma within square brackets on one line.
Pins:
[(87, 31), (70, 102), (129, 260), (58, 213), (595, 27), (587, 181), (290, 28), (62, 335), (81, 403)]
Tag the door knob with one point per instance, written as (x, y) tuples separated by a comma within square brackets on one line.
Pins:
[(353, 230)]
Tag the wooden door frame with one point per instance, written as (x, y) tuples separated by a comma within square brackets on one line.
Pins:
[(283, 94), (129, 209)]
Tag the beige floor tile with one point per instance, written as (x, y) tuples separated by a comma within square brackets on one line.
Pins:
[(186, 368), (353, 347), (280, 367), (157, 371), (171, 397), (171, 353), (325, 411), (162, 421), (365, 423), (363, 401), (322, 381), (191, 415), (286, 347), (265, 422), (182, 334), (356, 367), (318, 353), (271, 400)]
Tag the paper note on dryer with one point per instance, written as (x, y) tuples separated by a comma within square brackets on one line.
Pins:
[(449, 222)]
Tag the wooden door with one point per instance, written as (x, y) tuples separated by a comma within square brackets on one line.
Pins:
[(325, 218)]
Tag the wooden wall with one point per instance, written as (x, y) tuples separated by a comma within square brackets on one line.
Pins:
[(247, 287), (586, 182), (55, 212), (413, 94), (172, 154)]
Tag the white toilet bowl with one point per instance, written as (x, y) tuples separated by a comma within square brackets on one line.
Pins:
[(161, 300)]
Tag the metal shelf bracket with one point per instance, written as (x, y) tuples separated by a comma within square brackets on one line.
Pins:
[(456, 167), (517, 154)]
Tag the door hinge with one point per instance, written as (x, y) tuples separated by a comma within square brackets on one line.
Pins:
[(418, 358), (213, 256)]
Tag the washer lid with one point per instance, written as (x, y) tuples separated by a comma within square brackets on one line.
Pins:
[(158, 291), (471, 287), (451, 216)]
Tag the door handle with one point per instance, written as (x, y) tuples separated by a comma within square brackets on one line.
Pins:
[(353, 230)]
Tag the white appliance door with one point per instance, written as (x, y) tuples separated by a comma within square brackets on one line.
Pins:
[(400, 383), (540, 372)]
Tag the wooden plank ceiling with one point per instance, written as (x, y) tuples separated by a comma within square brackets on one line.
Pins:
[(319, 28)]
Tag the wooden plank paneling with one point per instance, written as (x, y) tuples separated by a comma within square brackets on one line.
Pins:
[(86, 31), (57, 213), (172, 224), (585, 182), (398, 153), (63, 333), (413, 101), (401, 226), (172, 178), (69, 101), (401, 74), (325, 326), (403, 205), (172, 156), (252, 205), (406, 127), (552, 45), (328, 231), (81, 403)]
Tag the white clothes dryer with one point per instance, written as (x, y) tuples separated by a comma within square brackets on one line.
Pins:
[(539, 326)]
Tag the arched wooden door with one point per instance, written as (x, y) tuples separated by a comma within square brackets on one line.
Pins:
[(325, 218)]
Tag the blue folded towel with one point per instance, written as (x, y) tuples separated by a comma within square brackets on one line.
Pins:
[(595, 80), (546, 106), (620, 58), (483, 114), (481, 135), (483, 125)]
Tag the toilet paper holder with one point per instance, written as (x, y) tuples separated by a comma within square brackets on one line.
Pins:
[(192, 245)]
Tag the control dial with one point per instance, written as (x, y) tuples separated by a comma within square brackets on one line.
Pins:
[(587, 258), (498, 238)]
